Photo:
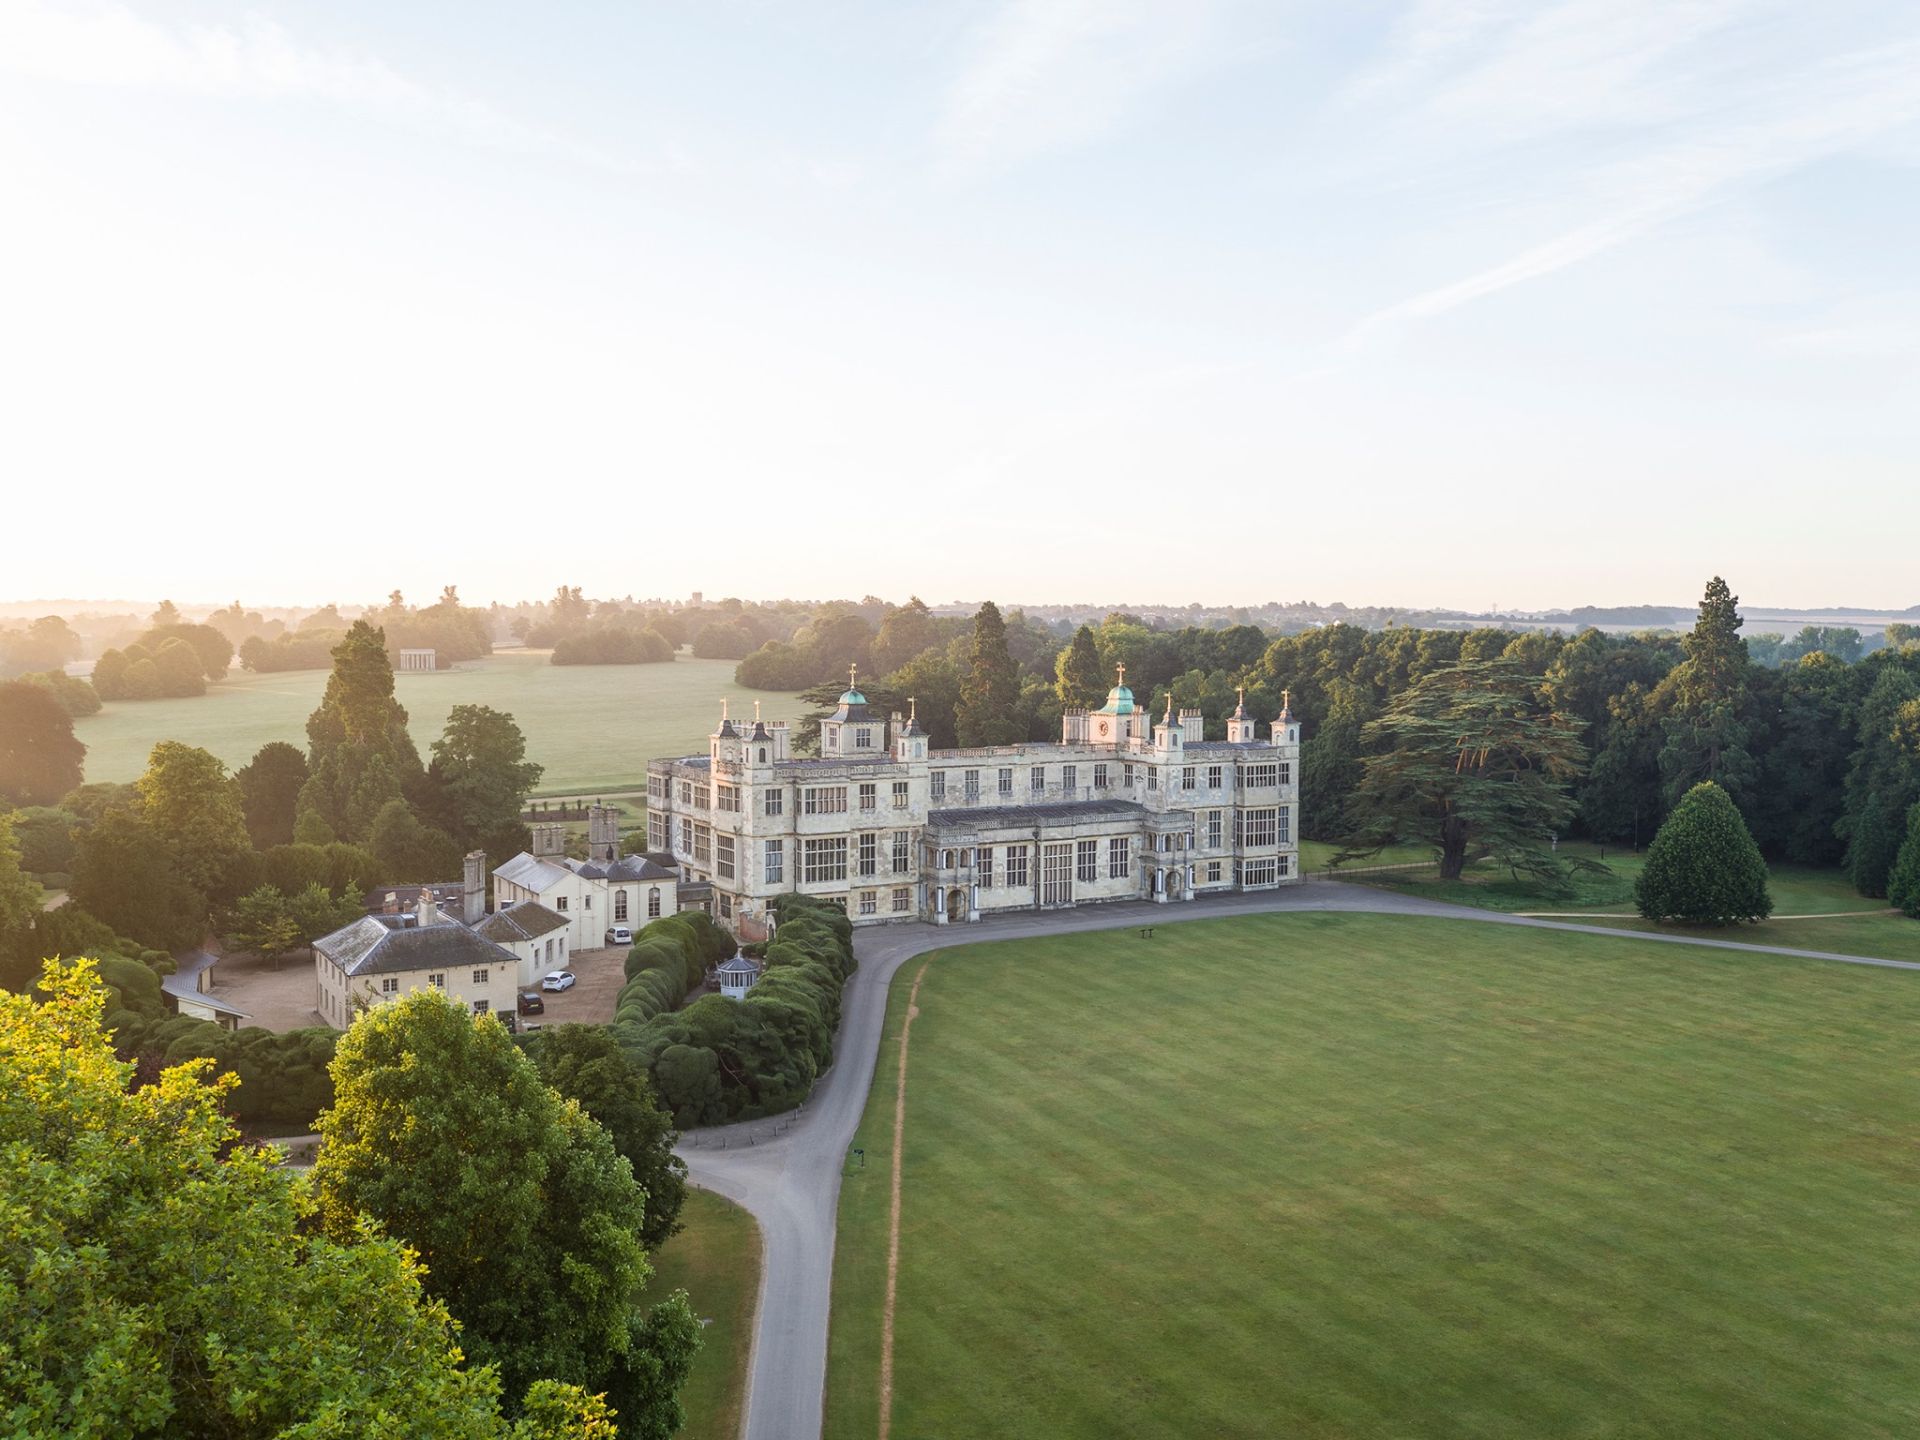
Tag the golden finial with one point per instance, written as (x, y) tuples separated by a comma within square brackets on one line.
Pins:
[(913, 709), (1122, 668), (723, 709), (756, 712), (853, 672)]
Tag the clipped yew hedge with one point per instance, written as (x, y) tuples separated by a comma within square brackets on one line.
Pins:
[(721, 1059)]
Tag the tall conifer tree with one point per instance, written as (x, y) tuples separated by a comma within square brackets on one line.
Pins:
[(990, 690)]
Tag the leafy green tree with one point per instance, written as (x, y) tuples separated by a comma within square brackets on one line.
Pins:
[(1703, 867), (525, 1216), (1703, 704), (480, 778), (143, 680), (39, 758), (1080, 675), (45, 835), (19, 896), (76, 696), (194, 806), (1621, 796), (316, 911), (907, 630), (990, 686), (1903, 881), (261, 922), (211, 648), (178, 664), (1469, 756), (1796, 810), (46, 644), (125, 877), (359, 754), (1883, 779), (585, 1063), (408, 851), (1331, 760), (158, 1279), (270, 791)]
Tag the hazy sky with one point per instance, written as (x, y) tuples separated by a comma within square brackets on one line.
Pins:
[(1451, 302)]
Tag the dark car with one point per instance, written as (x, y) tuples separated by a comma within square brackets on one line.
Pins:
[(531, 1003)]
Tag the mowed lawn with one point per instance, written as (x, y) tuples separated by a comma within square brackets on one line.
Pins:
[(1366, 1176), (593, 726), (716, 1260), (1816, 909)]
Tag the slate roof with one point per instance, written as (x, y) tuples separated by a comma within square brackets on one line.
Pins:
[(528, 920), (367, 947), (532, 872), (184, 984), (1225, 747), (1072, 812), (450, 895), (627, 867)]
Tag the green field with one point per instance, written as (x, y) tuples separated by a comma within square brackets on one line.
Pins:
[(716, 1260), (1367, 1176), (593, 726)]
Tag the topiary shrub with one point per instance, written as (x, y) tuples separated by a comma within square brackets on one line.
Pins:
[(1703, 867)]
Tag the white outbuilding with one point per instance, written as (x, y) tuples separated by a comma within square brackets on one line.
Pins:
[(738, 976)]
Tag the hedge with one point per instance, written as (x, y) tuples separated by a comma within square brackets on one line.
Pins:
[(283, 1078), (721, 1059)]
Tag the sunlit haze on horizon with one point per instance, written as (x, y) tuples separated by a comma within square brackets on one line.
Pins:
[(1419, 304)]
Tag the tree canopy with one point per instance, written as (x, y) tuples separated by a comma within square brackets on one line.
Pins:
[(359, 754), (1470, 756), (39, 758), (1703, 867), (157, 1278), (270, 792), (988, 712), (526, 1217), (480, 777), (585, 1063)]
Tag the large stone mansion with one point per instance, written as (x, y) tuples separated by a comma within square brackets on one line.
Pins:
[(1123, 808)]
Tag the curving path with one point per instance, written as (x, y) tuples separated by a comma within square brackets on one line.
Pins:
[(786, 1171)]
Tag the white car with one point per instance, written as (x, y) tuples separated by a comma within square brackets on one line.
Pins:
[(619, 935), (558, 980)]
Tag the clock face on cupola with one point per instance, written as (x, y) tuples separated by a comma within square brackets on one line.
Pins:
[(1102, 729)]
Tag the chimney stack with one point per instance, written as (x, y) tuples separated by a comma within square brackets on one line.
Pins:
[(549, 840), (603, 834), (392, 904), (473, 897), (426, 913)]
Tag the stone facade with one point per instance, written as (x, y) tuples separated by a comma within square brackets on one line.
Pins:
[(1122, 808)]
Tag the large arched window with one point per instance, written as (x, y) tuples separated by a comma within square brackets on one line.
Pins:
[(619, 905), (653, 903)]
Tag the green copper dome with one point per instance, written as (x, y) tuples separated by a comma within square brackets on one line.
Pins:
[(1119, 702)]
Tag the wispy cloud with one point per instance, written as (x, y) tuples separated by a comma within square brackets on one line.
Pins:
[(1042, 75), (1674, 149), (113, 46)]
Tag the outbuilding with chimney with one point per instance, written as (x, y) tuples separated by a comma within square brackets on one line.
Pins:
[(381, 957), (593, 895)]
